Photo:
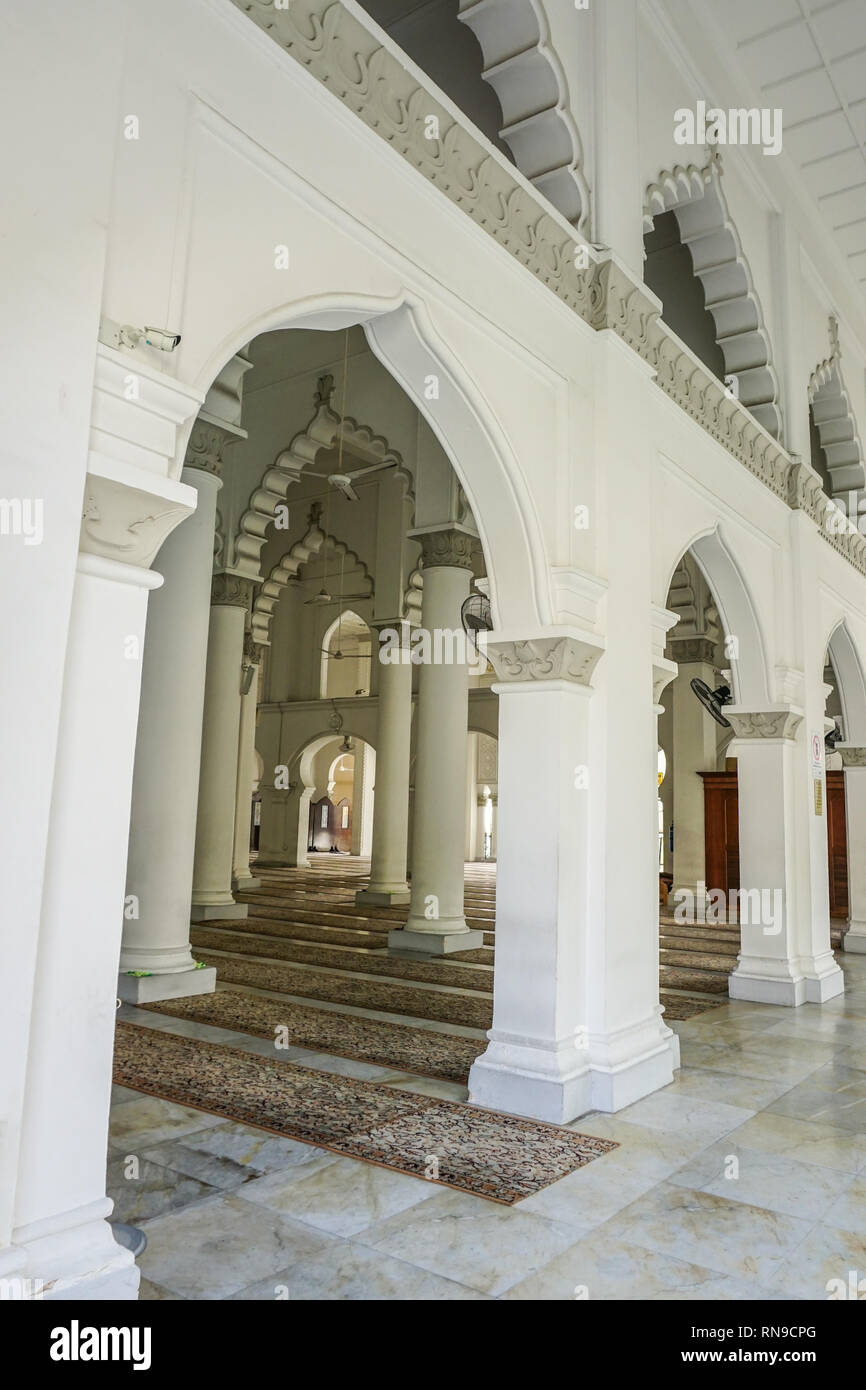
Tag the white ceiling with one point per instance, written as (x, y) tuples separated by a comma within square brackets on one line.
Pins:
[(809, 58)]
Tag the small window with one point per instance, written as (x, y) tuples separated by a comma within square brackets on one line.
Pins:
[(324, 820), (344, 824)]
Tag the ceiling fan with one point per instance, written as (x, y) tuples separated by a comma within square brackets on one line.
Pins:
[(344, 481)]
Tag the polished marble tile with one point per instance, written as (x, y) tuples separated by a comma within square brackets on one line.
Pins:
[(812, 1142), (775, 1181), (675, 1113), (749, 1092), (713, 1232), (220, 1246), (154, 1293), (842, 1109), (472, 1241), (351, 1272), (141, 1189), (603, 1267), (232, 1154), (831, 1260), (342, 1196), (147, 1120)]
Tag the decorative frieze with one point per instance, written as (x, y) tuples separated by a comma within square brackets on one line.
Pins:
[(851, 756), (564, 658), (206, 445), (450, 547), (254, 652), (771, 723), (692, 649), (339, 50), (231, 590)]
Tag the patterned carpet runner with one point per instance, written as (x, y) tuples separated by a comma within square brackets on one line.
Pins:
[(491, 1155)]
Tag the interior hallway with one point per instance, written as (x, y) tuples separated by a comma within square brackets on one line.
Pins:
[(233, 1212)]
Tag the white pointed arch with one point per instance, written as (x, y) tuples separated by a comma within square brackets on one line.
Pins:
[(851, 683), (286, 569), (738, 614), (402, 337), (523, 69), (325, 430), (834, 420), (696, 198)]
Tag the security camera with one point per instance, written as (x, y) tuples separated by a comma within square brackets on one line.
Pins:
[(161, 338)]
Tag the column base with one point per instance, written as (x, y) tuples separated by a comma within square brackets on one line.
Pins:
[(552, 1084), (615, 1087), (767, 982), (855, 938), (75, 1256), (245, 885), (383, 897), (402, 942), (216, 912), (824, 979), (180, 984)]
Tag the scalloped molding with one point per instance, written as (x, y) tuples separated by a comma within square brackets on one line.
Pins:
[(696, 198), (268, 596), (527, 77), (324, 431), (336, 48), (834, 420)]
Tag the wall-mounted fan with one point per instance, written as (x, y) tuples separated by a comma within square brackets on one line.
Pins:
[(713, 700), (476, 615)]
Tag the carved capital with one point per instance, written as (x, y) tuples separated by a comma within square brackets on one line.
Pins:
[(206, 447), (450, 547), (692, 649), (127, 524), (253, 651), (231, 590), (564, 658), (851, 757), (769, 723)]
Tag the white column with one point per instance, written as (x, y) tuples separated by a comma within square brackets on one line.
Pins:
[(390, 809), (694, 751), (775, 914), (60, 1202), (537, 1058), (252, 659), (155, 960), (362, 798), (471, 797), (436, 922), (854, 763), (215, 827)]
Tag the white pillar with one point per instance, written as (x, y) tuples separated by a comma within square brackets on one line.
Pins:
[(362, 798), (252, 660), (537, 1060), (155, 959), (854, 763), (390, 809), (775, 916), (436, 922), (694, 751), (60, 1201), (215, 827)]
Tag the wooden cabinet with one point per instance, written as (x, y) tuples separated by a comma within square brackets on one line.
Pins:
[(722, 843), (837, 844), (721, 830)]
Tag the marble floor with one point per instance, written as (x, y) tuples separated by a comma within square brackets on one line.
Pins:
[(744, 1179)]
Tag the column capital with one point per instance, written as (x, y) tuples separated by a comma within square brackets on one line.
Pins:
[(695, 650), (254, 652), (550, 657), (231, 590), (851, 756), (206, 446), (779, 723), (447, 547)]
